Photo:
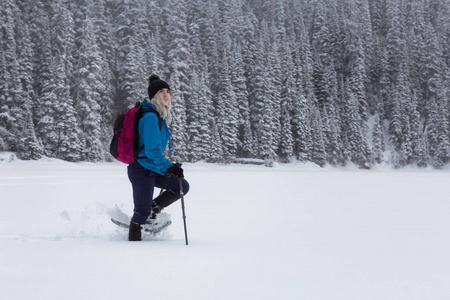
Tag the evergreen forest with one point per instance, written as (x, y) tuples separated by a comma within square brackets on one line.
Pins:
[(326, 81)]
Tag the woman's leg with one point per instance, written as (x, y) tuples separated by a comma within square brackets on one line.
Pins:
[(171, 184), (143, 183)]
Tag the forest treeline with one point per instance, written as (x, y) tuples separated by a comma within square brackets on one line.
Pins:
[(325, 81)]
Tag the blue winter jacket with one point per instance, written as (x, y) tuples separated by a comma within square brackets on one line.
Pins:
[(154, 141)]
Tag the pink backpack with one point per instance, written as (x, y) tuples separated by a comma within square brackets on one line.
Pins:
[(124, 143)]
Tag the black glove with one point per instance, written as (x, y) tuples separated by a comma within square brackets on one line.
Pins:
[(176, 170)]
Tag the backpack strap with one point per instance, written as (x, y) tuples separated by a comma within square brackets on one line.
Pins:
[(141, 114), (155, 112)]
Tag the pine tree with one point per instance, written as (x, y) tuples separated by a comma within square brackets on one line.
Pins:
[(245, 141), (227, 108), (252, 70), (318, 154), (4, 86), (199, 108), (415, 25), (89, 94), (287, 98), (131, 80), (357, 146), (301, 128), (10, 113), (227, 112), (199, 120), (155, 53), (273, 87), (357, 80), (216, 147), (67, 144), (324, 44), (437, 127), (44, 83), (378, 140), (28, 145), (261, 108), (331, 130), (305, 100), (323, 60), (179, 76), (437, 106), (207, 24)]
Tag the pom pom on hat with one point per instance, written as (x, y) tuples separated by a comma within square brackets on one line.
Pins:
[(156, 84)]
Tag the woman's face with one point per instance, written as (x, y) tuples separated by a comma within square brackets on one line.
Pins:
[(164, 97)]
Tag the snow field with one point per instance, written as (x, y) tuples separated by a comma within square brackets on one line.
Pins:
[(291, 232)]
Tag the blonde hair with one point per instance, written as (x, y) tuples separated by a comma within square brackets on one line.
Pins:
[(163, 110)]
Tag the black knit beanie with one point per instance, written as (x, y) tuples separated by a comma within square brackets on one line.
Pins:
[(156, 84)]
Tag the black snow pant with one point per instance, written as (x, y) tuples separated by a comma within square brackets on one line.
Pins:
[(144, 182)]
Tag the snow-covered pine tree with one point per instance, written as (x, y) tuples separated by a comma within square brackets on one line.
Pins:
[(44, 81), (249, 52), (154, 49), (199, 108), (378, 145), (305, 99), (216, 147), (199, 120), (245, 140), (331, 119), (323, 61), (325, 80), (287, 98), (325, 85), (279, 55), (437, 126), (101, 18), (68, 143), (273, 86), (415, 26), (318, 153), (127, 60), (89, 94), (27, 143), (301, 127), (3, 89), (178, 75), (358, 79), (261, 106), (155, 59), (10, 87), (355, 132), (437, 95), (227, 110), (231, 29), (208, 27)]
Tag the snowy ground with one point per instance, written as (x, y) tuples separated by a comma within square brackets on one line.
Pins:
[(290, 232)]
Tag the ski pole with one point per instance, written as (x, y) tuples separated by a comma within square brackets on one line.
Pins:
[(182, 209)]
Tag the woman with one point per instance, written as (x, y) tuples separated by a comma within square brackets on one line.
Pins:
[(154, 170)]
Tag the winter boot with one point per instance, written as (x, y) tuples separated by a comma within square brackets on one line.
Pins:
[(134, 233), (162, 201), (156, 209)]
